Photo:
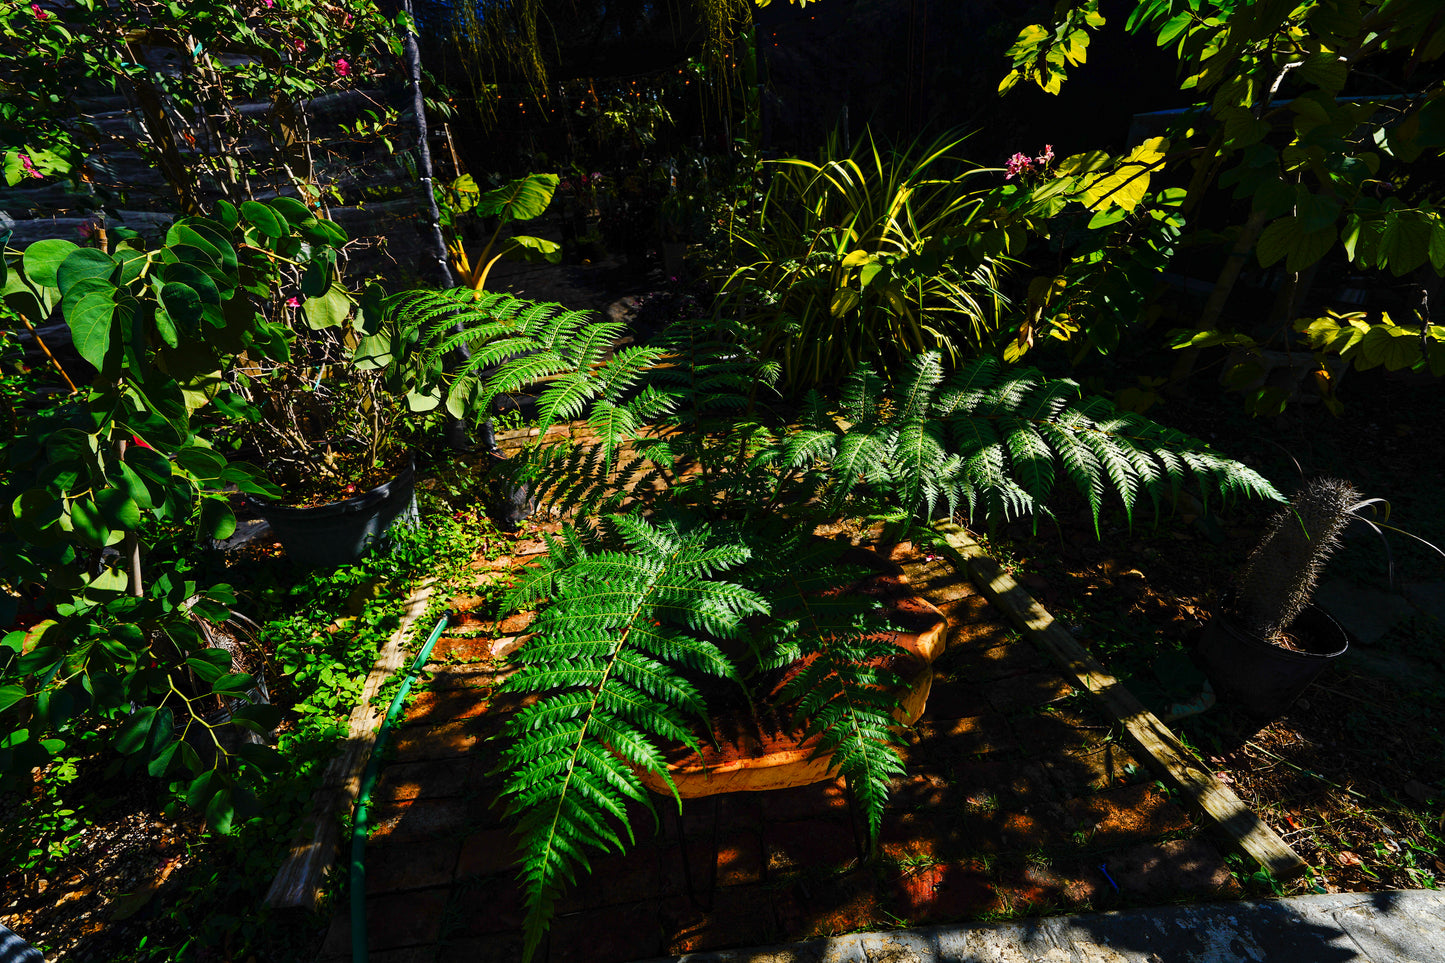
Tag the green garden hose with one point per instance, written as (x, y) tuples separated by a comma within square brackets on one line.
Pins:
[(361, 826)]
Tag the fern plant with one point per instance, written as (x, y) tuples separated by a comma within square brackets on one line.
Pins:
[(691, 560), (638, 613)]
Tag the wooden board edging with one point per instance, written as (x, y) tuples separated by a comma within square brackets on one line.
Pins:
[(1157, 746), (298, 881)]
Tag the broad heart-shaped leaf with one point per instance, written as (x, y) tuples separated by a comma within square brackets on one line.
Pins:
[(27, 299), (328, 311), (42, 260), (521, 199), (1437, 242), (1406, 242), (182, 303), (90, 326), (536, 250), (1287, 238), (265, 220), (81, 264)]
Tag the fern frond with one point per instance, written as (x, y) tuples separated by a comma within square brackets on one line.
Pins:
[(609, 693)]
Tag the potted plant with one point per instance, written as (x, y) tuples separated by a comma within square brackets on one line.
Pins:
[(334, 438), (1270, 641), (690, 575)]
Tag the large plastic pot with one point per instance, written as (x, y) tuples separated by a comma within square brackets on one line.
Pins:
[(1263, 677), (340, 532)]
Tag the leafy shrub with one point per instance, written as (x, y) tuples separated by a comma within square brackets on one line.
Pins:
[(864, 257)]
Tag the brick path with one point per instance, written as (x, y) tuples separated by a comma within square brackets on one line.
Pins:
[(1014, 798)]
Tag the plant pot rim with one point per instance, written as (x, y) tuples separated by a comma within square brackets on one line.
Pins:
[(1310, 613), (781, 760), (352, 505)]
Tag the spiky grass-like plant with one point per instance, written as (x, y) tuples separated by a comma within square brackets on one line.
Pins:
[(1278, 579)]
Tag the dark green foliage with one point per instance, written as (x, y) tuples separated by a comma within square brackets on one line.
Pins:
[(992, 439), (608, 659), (843, 692), (638, 614), (1279, 577)]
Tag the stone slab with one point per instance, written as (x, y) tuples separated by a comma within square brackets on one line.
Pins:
[(1400, 926)]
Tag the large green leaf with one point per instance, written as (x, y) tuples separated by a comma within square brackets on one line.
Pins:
[(328, 311), (90, 326), (265, 220), (182, 303), (42, 260), (1287, 238), (217, 519), (1406, 242), (289, 208), (521, 199), (537, 250), (81, 264)]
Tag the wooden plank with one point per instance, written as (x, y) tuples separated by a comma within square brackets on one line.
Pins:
[(1158, 747), (298, 882)]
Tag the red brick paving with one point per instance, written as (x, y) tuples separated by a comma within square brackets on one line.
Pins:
[(1014, 798)]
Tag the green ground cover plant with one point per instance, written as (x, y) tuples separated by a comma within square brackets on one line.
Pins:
[(321, 633)]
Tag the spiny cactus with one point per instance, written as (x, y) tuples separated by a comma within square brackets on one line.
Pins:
[(1279, 576)]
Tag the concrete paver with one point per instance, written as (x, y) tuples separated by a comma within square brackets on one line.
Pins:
[(1403, 926)]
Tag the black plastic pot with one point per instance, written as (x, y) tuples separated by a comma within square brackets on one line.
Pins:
[(340, 532), (1263, 677)]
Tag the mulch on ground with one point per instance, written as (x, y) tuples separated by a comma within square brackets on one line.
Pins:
[(1018, 800)]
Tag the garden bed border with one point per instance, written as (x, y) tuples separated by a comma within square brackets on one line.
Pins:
[(1156, 745)]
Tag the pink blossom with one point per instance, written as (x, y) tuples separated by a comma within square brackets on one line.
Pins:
[(39, 14), (29, 167), (293, 302), (1018, 164), (300, 45), (270, 3), (342, 67), (1047, 157)]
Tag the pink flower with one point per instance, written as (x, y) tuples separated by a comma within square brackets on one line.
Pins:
[(1018, 164), (1047, 157), (293, 302), (342, 68), (29, 167), (87, 229), (269, 3), (39, 14), (300, 45)]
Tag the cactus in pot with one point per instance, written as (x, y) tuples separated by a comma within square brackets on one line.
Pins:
[(1278, 579)]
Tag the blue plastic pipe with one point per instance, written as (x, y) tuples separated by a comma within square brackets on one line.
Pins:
[(361, 827)]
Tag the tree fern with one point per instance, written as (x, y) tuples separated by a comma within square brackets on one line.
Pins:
[(605, 662), (995, 440)]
